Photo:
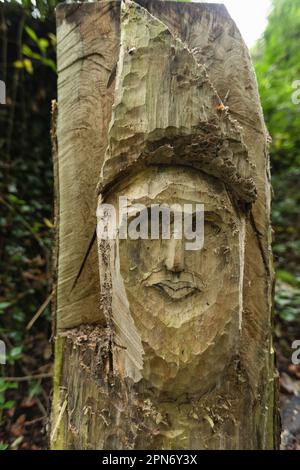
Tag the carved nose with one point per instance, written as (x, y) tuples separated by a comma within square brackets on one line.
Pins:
[(174, 260)]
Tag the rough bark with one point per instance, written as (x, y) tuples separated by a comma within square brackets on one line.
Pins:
[(158, 95)]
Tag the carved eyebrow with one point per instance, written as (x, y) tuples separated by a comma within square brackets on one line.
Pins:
[(209, 216), (147, 212), (213, 217)]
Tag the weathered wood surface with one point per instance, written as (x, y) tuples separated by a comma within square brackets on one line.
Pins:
[(95, 406), (87, 53)]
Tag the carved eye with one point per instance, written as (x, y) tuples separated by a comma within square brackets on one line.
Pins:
[(212, 224), (214, 228)]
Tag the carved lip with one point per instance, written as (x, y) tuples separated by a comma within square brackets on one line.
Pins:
[(176, 290)]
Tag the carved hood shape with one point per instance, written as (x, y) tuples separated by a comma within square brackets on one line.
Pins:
[(168, 112)]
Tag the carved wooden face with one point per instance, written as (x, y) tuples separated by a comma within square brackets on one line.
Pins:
[(173, 293)]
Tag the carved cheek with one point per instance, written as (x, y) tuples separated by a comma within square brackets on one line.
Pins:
[(139, 257), (213, 256)]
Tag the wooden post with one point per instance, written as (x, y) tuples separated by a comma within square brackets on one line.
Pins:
[(166, 348)]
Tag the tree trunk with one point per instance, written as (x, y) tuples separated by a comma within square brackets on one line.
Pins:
[(158, 101)]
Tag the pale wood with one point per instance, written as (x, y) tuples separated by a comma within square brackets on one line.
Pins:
[(112, 402), (87, 54)]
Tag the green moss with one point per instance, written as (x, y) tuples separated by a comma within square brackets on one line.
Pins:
[(57, 440)]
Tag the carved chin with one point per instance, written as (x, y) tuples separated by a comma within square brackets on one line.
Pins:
[(176, 291)]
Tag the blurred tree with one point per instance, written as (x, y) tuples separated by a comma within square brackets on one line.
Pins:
[(277, 60), (27, 65)]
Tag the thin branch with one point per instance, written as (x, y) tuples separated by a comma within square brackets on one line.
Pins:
[(40, 311), (34, 421), (59, 418), (26, 224), (28, 378)]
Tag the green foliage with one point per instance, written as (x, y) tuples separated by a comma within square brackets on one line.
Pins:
[(287, 301), (4, 403), (27, 65), (277, 67), (34, 389), (277, 61), (40, 8), (42, 44), (14, 354)]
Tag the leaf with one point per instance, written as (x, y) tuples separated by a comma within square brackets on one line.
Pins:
[(49, 62), (34, 389), (18, 64), (4, 385), (17, 429), (31, 33), (42, 7), (4, 306), (52, 38), (15, 354), (15, 200), (11, 385), (48, 223), (17, 442), (28, 66), (286, 276), (43, 44), (30, 53), (8, 404)]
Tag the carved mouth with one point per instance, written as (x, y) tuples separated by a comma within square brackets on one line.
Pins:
[(176, 290)]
